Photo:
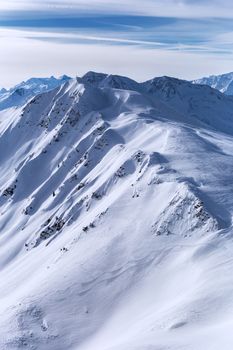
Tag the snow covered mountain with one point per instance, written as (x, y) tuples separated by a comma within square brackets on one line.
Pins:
[(223, 83), (116, 217), (21, 93)]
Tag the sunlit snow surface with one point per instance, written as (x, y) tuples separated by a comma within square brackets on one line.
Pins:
[(116, 217)]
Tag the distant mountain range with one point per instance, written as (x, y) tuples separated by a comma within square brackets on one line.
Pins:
[(223, 82), (22, 92)]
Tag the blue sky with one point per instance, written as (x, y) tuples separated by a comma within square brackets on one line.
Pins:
[(138, 38)]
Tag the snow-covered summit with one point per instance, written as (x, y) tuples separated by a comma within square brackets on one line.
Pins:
[(223, 82), (2, 91), (110, 81), (116, 217), (93, 78)]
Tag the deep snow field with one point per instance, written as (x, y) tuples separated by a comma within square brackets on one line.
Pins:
[(116, 202)]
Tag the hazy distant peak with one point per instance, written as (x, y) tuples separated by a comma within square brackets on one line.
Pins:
[(223, 82)]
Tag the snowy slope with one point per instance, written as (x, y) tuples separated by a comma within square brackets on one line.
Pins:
[(116, 217), (21, 93), (223, 82)]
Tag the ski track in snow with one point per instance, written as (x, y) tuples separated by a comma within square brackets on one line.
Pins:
[(116, 216)]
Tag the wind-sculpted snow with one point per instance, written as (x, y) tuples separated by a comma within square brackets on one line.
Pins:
[(116, 217)]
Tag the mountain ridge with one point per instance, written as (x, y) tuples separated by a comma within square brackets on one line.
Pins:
[(116, 217)]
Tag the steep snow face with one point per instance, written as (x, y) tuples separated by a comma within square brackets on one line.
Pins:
[(223, 83), (21, 93), (116, 217)]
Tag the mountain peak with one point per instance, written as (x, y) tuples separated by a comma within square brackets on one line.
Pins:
[(93, 78), (3, 90), (119, 82)]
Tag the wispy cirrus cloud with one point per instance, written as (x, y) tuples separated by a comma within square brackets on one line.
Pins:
[(161, 8), (162, 33), (32, 55)]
